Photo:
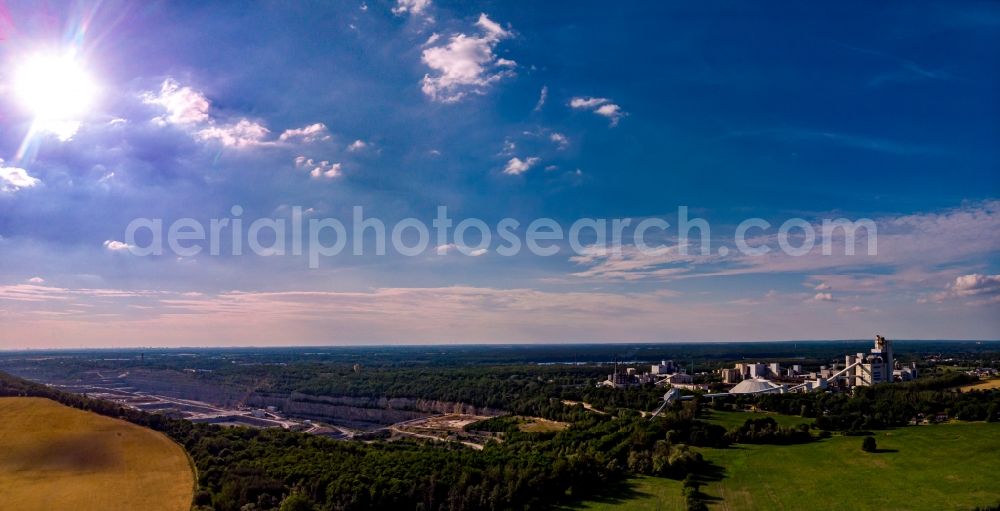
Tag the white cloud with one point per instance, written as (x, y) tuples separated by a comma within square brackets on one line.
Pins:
[(823, 297), (587, 103), (542, 96), (559, 139), (466, 64), (611, 111), (920, 257), (319, 169), (516, 166), (15, 178), (243, 133), (191, 110), (478, 252), (976, 284), (491, 27), (36, 280), (115, 246), (444, 249), (183, 105), (509, 146), (306, 134), (357, 145), (982, 289), (62, 129), (600, 106), (414, 7)]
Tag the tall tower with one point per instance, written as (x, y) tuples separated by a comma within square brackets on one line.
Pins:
[(883, 351)]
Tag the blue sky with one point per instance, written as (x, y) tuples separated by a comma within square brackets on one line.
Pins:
[(503, 109)]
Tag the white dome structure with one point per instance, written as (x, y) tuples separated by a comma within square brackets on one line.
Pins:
[(754, 386)]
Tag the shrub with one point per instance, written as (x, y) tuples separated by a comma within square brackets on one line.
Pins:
[(868, 444)]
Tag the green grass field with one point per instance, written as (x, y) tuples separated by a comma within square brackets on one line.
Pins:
[(639, 494), (729, 420), (53, 457), (942, 467)]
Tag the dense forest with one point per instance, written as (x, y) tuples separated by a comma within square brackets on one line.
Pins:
[(248, 469)]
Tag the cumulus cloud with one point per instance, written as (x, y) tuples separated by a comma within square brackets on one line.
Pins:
[(979, 289), (976, 284), (191, 110), (242, 133), (823, 297), (466, 64), (357, 145), (36, 280), (516, 166), (600, 106), (306, 134), (183, 105), (318, 169), (414, 7), (15, 178), (115, 246)]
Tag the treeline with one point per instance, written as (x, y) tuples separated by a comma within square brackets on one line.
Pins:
[(242, 469), (519, 389), (767, 431), (883, 406)]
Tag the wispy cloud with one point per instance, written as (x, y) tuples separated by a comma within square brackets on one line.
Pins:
[(600, 106), (913, 252), (876, 144), (905, 69), (542, 96)]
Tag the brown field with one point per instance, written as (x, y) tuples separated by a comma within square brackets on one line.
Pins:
[(540, 425), (983, 385), (53, 457)]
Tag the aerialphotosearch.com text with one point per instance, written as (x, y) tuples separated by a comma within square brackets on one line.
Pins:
[(319, 238)]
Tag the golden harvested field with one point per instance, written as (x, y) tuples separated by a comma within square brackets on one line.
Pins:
[(983, 385), (53, 457)]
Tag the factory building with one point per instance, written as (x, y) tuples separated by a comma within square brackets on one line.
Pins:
[(860, 369), (875, 367)]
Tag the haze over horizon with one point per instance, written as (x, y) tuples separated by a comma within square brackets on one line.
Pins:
[(120, 111)]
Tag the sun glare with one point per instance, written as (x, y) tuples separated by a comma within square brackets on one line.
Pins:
[(54, 87)]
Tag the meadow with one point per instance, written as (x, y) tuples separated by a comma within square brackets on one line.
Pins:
[(730, 420), (941, 467), (56, 457)]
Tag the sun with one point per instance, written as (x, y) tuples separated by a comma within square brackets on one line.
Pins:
[(54, 87)]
